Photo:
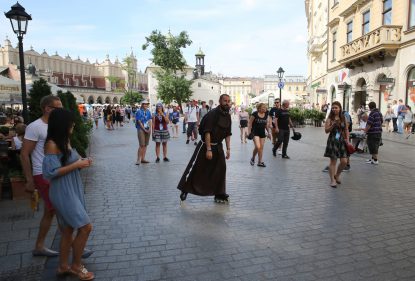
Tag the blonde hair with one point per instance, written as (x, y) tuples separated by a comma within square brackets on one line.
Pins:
[(259, 105)]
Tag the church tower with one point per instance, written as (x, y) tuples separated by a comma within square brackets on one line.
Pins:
[(200, 63)]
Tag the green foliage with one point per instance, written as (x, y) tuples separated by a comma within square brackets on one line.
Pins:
[(297, 116), (37, 92), (82, 129), (172, 87), (167, 54), (167, 49), (131, 98)]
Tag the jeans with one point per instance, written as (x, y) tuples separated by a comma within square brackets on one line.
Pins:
[(184, 126), (400, 124), (395, 126)]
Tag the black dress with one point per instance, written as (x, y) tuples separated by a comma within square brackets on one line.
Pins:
[(259, 124), (208, 177), (336, 144)]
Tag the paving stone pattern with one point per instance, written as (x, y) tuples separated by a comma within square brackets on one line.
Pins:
[(284, 222)]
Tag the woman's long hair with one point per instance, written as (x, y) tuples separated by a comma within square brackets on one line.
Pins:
[(341, 115), (59, 124)]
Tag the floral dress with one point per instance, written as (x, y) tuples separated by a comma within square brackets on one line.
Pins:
[(336, 144)]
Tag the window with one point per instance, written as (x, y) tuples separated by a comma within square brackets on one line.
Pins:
[(350, 32), (366, 22), (387, 12), (67, 81), (411, 14), (333, 45)]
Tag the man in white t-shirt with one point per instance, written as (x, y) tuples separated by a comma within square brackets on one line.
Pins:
[(33, 148), (192, 120)]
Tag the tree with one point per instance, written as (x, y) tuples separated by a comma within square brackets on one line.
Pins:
[(131, 98), (39, 89), (167, 54), (82, 129)]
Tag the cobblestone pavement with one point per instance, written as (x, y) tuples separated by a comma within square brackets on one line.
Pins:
[(284, 222)]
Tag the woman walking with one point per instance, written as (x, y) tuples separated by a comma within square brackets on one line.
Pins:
[(61, 167), (243, 123), (388, 118), (336, 126), (161, 132), (258, 124), (407, 120), (95, 116), (175, 117), (109, 118)]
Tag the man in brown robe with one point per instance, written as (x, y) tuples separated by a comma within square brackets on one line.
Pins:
[(205, 174)]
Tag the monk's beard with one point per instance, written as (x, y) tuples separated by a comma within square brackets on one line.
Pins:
[(225, 108)]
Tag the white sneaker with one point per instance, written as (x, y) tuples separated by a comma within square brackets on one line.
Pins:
[(369, 161), (279, 151), (375, 162)]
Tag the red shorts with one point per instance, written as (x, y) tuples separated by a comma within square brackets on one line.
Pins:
[(42, 186)]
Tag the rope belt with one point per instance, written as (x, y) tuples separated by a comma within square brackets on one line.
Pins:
[(197, 154)]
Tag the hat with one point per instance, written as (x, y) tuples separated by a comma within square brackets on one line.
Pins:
[(144, 102), (159, 104), (296, 136)]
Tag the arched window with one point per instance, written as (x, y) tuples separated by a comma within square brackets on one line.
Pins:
[(410, 92)]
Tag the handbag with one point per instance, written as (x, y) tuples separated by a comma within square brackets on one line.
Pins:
[(250, 136), (350, 148)]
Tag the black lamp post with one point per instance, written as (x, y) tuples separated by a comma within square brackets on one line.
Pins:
[(280, 73), (19, 19)]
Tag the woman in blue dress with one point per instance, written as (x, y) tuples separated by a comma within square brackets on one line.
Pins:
[(61, 167)]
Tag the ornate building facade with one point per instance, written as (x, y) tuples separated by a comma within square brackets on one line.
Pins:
[(370, 52), (103, 82)]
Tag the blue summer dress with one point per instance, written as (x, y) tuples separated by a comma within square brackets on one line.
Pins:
[(66, 192)]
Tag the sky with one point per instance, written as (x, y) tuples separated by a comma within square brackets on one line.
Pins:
[(240, 38)]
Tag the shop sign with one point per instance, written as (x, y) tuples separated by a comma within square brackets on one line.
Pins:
[(315, 85), (386, 80), (8, 89), (321, 91)]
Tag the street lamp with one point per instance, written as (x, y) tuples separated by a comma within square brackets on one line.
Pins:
[(19, 19), (280, 73)]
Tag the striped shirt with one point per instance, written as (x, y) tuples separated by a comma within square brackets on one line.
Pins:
[(375, 121)]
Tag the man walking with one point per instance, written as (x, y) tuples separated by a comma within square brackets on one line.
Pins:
[(273, 113), (374, 132), (395, 116), (205, 174), (143, 124), (192, 120), (282, 127), (31, 156)]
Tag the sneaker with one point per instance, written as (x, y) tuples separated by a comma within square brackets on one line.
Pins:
[(286, 157), (375, 162), (223, 198), (326, 169), (252, 162), (157, 160), (187, 142), (262, 164), (369, 161), (279, 151), (165, 159), (346, 169)]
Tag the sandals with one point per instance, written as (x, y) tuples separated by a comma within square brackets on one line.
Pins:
[(337, 181), (82, 273)]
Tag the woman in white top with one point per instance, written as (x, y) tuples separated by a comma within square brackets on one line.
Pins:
[(18, 139), (243, 123), (407, 120), (388, 118)]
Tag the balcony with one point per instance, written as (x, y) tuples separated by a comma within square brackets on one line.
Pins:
[(378, 43), (317, 44)]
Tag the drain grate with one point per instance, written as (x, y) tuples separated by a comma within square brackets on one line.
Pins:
[(31, 273)]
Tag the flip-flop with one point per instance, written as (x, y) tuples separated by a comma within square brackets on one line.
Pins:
[(83, 274)]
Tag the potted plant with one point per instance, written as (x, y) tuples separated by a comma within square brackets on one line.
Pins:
[(318, 118)]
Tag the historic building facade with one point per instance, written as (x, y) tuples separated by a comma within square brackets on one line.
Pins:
[(371, 52), (317, 17), (103, 82)]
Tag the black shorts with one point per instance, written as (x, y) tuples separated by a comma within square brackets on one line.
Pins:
[(243, 123), (259, 133)]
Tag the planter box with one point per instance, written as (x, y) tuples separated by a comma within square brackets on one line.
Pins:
[(18, 188)]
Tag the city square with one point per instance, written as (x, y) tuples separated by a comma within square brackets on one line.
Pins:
[(117, 163)]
